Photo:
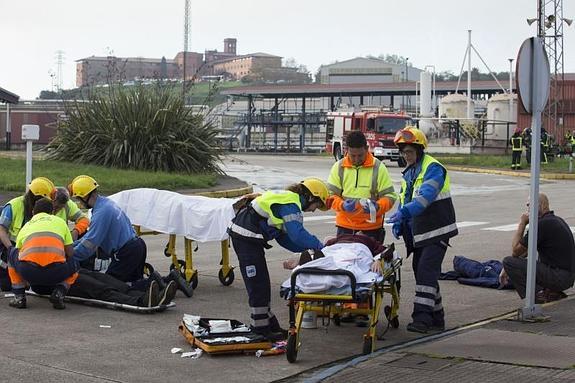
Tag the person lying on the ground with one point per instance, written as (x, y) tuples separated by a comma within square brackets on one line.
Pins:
[(345, 254), (555, 270), (104, 287)]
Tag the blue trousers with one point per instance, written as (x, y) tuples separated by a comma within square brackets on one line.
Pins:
[(426, 262), (254, 269), (50, 275)]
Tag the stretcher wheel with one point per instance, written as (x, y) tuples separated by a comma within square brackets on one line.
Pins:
[(367, 345), (148, 269), (228, 279), (291, 348), (393, 322)]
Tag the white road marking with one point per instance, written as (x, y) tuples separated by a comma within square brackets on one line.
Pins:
[(470, 223), (510, 227), (318, 218)]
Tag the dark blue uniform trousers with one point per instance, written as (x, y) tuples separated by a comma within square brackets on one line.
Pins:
[(252, 260), (427, 307), (128, 263)]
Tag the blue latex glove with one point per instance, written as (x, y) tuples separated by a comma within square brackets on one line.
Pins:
[(349, 205), (396, 230), (396, 217)]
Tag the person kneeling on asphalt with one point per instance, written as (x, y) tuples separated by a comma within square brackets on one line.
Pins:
[(112, 231), (555, 270), (43, 256), (273, 215)]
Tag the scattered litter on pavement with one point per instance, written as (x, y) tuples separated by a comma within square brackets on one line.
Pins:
[(176, 350), (278, 348), (194, 354), (105, 326)]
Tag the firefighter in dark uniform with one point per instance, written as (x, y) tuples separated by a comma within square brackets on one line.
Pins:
[(527, 142), (273, 215), (516, 142), (426, 220), (544, 145)]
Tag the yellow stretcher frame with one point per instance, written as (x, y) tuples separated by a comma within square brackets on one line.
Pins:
[(333, 307), (186, 266)]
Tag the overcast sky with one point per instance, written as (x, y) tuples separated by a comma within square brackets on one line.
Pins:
[(312, 32)]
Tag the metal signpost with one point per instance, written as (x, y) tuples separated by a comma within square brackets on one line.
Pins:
[(533, 90), (29, 133)]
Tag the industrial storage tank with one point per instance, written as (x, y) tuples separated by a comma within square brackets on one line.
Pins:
[(501, 120), (455, 106)]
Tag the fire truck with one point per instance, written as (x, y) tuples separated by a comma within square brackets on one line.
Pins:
[(379, 129)]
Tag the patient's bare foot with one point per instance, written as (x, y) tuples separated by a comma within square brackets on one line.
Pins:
[(291, 264)]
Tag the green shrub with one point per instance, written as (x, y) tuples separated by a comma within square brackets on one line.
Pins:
[(142, 128)]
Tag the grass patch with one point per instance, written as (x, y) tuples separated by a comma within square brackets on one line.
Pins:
[(13, 176), (559, 165)]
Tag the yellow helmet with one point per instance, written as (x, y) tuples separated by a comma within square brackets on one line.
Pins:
[(410, 135), (318, 189), (82, 185), (42, 186)]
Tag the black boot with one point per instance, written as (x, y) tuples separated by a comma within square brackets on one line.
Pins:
[(57, 297), (18, 302)]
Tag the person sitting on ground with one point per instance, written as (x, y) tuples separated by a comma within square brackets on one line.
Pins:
[(43, 256), (555, 268)]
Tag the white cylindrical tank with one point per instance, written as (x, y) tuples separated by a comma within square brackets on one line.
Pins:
[(425, 94), (499, 115), (454, 106)]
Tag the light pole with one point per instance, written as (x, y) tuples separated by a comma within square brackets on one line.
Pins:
[(407, 79), (511, 90)]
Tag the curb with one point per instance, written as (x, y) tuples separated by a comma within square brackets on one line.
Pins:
[(231, 193), (547, 176)]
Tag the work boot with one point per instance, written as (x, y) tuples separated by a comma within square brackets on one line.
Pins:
[(152, 295), (57, 297), (419, 327), (167, 294), (18, 302)]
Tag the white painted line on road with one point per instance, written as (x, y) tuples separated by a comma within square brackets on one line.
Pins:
[(318, 218), (510, 227), (470, 223)]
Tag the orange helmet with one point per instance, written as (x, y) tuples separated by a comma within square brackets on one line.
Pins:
[(410, 135)]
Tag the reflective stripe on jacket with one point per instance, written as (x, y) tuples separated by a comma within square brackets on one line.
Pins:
[(262, 205), (517, 144), (437, 221), (370, 180), (42, 240)]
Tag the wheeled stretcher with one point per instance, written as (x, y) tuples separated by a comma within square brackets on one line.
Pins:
[(196, 218), (335, 303)]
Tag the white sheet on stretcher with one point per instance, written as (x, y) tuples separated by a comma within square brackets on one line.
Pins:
[(202, 219), (354, 257)]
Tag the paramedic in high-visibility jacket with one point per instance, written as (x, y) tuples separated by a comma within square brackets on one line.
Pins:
[(360, 185), (273, 215), (42, 257), (425, 218), (110, 230)]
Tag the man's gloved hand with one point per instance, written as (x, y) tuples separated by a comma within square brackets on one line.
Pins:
[(367, 204), (396, 229), (349, 205), (396, 217)]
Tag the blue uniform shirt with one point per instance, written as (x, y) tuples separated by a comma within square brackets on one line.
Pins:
[(110, 229)]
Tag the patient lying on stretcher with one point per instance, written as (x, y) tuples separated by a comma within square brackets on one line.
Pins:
[(354, 253)]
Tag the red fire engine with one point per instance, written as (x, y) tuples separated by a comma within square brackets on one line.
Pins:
[(379, 129)]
